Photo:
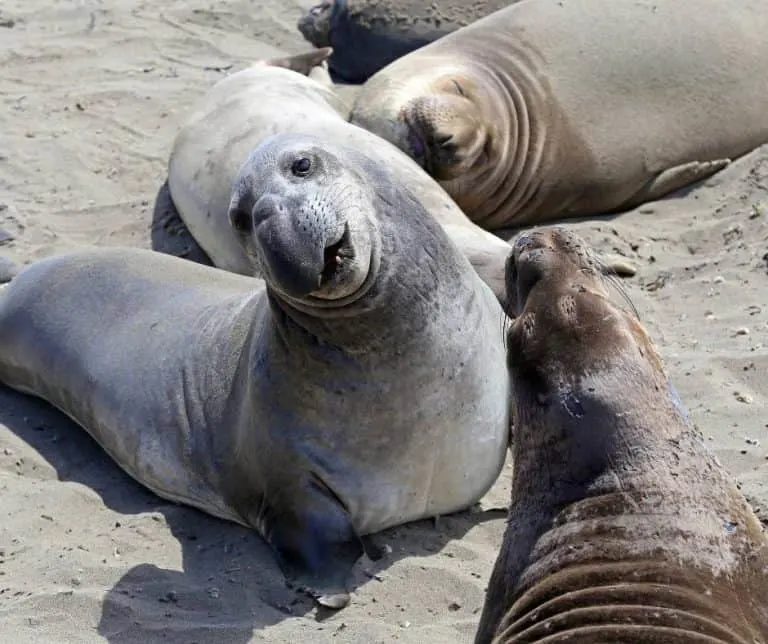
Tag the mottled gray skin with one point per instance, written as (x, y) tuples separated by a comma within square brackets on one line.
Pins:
[(350, 392), (285, 95), (367, 35), (623, 526), (550, 109)]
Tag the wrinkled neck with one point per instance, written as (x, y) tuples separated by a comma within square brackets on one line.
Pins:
[(416, 274), (515, 104), (613, 429), (620, 505)]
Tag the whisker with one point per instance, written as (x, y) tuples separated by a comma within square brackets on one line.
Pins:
[(610, 277)]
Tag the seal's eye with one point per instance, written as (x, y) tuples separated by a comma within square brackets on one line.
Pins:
[(459, 88), (301, 167)]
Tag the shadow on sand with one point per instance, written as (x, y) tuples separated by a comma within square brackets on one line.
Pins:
[(230, 585)]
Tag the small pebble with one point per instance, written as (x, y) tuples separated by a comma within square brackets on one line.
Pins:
[(719, 279), (741, 331), (752, 441), (743, 398)]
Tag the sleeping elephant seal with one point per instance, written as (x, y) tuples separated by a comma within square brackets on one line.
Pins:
[(367, 35), (291, 95), (551, 109), (363, 385), (623, 526)]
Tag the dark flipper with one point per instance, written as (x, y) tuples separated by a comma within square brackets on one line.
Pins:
[(170, 235), (301, 63), (313, 537)]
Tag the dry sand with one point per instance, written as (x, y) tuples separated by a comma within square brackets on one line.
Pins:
[(91, 98)]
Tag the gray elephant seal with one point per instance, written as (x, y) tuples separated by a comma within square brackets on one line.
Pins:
[(367, 35), (623, 526), (292, 94), (551, 109), (362, 386)]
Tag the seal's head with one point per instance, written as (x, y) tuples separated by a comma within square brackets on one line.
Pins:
[(564, 320), (315, 25), (439, 120), (576, 357), (302, 218)]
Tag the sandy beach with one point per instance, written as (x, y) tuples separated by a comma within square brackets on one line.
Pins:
[(91, 99)]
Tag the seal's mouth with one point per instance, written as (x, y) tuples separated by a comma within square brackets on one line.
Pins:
[(436, 152), (335, 256), (417, 145)]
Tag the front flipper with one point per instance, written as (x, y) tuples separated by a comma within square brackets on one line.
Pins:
[(617, 265), (304, 63), (316, 544), (677, 177)]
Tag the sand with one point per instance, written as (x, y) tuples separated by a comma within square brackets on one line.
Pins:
[(91, 99)]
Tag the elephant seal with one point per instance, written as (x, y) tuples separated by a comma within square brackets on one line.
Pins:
[(361, 386), (623, 526), (551, 109), (286, 95), (367, 35)]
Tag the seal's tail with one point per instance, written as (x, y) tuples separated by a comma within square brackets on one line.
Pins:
[(302, 63)]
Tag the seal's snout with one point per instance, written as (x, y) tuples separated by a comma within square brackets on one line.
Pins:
[(295, 263), (301, 254), (525, 267), (550, 266), (443, 132)]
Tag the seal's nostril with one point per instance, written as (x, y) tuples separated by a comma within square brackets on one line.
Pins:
[(241, 221)]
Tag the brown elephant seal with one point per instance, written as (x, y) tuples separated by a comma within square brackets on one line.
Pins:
[(285, 95), (367, 35), (623, 526), (550, 109), (363, 385)]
